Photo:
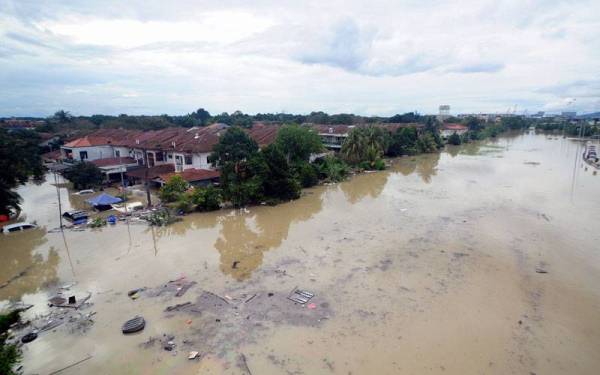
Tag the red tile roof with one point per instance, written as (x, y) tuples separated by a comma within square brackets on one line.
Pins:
[(153, 172), (113, 161), (454, 127), (191, 175)]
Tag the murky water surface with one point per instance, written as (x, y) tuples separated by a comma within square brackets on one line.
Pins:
[(428, 267)]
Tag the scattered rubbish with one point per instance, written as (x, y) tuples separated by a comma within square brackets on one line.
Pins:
[(312, 306), (251, 298), (178, 306), (29, 337), (169, 346), (135, 293), (60, 301), (67, 286), (112, 219), (57, 301), (193, 355), (244, 363), (234, 265), (51, 325), (71, 365), (300, 296), (184, 288), (189, 321), (270, 294), (134, 325), (540, 270), (228, 297)]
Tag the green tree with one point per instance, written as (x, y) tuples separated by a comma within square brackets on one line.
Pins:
[(365, 144), (9, 353), (278, 181), (403, 142), (19, 160), (234, 146), (454, 139), (202, 116), (332, 168), (62, 117), (84, 175), (298, 142), (426, 143), (172, 190), (207, 198)]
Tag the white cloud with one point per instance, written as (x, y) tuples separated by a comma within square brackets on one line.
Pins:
[(376, 57)]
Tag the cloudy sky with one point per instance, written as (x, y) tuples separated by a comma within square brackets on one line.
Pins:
[(367, 57)]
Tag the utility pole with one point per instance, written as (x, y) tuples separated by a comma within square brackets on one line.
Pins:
[(147, 185), (59, 203)]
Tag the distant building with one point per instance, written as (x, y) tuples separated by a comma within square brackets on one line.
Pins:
[(449, 129), (568, 115), (444, 112), (333, 136)]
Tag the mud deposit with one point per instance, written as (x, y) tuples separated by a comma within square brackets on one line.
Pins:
[(480, 260)]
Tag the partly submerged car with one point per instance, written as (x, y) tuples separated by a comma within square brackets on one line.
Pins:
[(77, 217), (17, 227)]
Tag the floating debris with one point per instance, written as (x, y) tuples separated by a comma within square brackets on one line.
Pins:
[(134, 325), (300, 296)]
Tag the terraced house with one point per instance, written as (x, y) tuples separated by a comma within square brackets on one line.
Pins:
[(156, 153)]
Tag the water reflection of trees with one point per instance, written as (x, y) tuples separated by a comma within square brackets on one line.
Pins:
[(424, 165), (25, 270), (246, 236), (370, 184)]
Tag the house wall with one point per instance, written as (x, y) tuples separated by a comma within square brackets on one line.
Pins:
[(93, 153)]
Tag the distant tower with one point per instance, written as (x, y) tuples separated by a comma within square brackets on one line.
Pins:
[(444, 112)]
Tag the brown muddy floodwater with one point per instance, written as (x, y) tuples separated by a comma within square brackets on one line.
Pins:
[(428, 267)]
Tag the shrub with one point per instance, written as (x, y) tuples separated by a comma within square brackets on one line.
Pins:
[(379, 165), (332, 168), (184, 203), (426, 143), (84, 175), (207, 199), (9, 354), (454, 139), (173, 189), (306, 174)]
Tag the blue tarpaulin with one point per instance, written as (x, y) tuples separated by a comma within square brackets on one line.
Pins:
[(104, 200)]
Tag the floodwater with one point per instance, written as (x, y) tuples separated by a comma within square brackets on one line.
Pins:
[(428, 267)]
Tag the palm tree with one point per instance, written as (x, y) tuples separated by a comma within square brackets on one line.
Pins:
[(354, 146)]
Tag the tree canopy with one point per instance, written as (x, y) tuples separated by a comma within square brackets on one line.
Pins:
[(84, 175), (298, 142), (19, 160)]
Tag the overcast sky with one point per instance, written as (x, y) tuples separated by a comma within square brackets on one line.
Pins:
[(366, 57)]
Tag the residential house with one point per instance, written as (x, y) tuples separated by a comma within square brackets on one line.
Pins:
[(449, 129)]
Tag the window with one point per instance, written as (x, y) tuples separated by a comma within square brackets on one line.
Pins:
[(118, 153), (188, 159), (169, 156), (160, 156), (14, 229), (83, 155)]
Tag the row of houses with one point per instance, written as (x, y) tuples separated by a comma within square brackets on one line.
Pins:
[(156, 155), (159, 154)]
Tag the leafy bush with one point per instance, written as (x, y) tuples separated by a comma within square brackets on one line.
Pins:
[(84, 175), (207, 199), (403, 142), (454, 139), (161, 218), (426, 143), (173, 189), (379, 165), (184, 203), (306, 174), (10, 355), (332, 168), (97, 222)]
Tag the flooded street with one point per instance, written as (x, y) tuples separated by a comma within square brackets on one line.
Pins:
[(427, 267)]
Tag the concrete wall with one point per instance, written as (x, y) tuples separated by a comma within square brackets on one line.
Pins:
[(93, 153)]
